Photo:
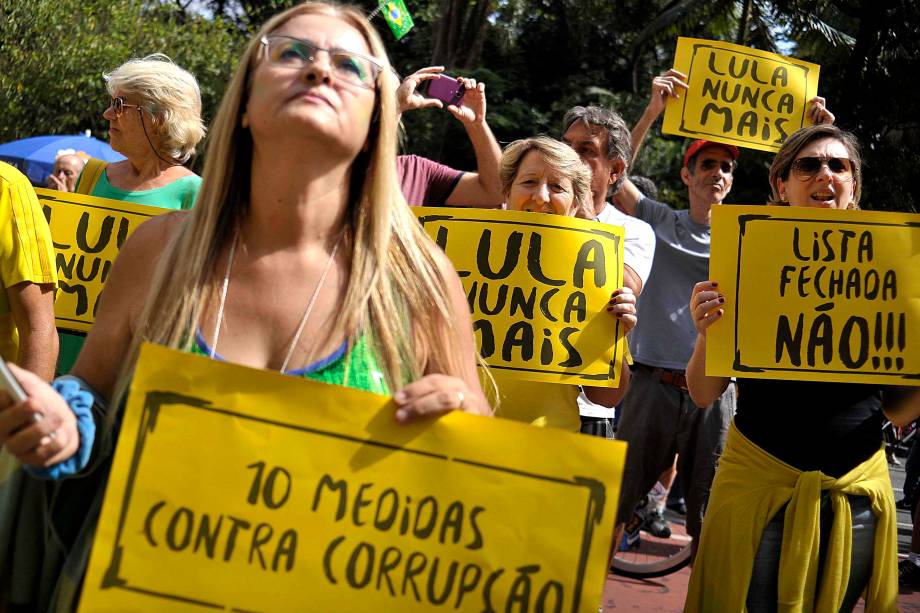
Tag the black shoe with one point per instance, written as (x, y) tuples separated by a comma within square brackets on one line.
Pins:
[(904, 504), (908, 574), (678, 506), (656, 525)]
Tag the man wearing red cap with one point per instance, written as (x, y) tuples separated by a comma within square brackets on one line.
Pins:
[(657, 417)]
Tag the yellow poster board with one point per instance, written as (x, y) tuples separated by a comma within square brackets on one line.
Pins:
[(813, 294), (537, 286), (87, 232), (738, 95), (246, 490)]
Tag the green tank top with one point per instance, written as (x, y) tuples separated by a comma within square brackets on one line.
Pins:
[(178, 195), (362, 372)]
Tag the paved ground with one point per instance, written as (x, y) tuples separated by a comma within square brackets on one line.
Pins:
[(667, 593)]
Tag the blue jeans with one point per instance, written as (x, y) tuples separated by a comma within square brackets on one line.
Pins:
[(762, 593)]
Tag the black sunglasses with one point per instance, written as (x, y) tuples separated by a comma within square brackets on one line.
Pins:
[(807, 167)]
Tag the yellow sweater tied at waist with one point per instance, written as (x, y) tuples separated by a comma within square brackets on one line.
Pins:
[(750, 487)]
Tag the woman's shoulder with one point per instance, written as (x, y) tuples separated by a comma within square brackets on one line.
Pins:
[(152, 236), (180, 175)]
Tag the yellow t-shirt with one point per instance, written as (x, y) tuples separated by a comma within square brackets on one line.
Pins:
[(26, 250), (552, 405)]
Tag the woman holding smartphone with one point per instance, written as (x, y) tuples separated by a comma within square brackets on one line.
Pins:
[(301, 256), (793, 524)]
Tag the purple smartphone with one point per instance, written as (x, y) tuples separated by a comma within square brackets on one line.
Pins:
[(446, 89)]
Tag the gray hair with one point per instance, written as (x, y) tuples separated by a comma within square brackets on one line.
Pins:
[(619, 140), (170, 94)]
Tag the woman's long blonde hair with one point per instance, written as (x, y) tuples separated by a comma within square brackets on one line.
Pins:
[(396, 294)]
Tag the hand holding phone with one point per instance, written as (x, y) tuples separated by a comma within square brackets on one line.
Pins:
[(9, 383), (448, 90)]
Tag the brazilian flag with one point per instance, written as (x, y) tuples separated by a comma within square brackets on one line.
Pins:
[(397, 17)]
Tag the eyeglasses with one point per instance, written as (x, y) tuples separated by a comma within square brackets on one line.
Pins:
[(805, 168), (118, 106), (352, 68)]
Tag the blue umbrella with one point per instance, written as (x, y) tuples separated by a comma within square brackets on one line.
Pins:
[(35, 156)]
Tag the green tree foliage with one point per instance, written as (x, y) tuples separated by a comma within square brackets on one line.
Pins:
[(53, 54), (537, 58)]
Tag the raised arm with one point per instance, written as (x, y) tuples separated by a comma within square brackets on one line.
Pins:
[(667, 85), (482, 188), (705, 308)]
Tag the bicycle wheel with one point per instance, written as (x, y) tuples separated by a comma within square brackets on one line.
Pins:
[(654, 557)]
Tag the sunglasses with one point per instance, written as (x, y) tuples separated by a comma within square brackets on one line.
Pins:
[(118, 106), (352, 68), (807, 167)]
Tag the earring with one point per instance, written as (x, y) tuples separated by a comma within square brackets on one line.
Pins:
[(782, 197)]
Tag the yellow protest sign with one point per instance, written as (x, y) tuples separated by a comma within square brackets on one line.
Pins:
[(816, 294), (537, 286), (246, 490), (738, 95), (87, 232)]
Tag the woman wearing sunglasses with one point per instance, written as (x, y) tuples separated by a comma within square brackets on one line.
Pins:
[(154, 116), (793, 524), (301, 256)]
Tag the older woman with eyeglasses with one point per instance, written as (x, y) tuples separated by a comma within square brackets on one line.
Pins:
[(801, 515), (301, 256), (155, 121)]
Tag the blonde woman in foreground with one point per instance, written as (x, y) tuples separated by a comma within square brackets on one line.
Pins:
[(301, 256)]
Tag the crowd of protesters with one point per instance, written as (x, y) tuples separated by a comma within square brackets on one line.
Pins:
[(304, 198)]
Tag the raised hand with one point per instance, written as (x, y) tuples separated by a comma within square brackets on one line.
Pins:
[(668, 84), (818, 111), (473, 106), (407, 96)]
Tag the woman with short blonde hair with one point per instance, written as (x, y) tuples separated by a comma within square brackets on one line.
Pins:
[(170, 95), (155, 121), (556, 155)]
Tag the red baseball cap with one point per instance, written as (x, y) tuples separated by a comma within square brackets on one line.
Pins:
[(697, 145)]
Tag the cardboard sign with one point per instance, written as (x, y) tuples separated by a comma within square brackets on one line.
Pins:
[(813, 294), (537, 286), (738, 95), (245, 490), (87, 232)]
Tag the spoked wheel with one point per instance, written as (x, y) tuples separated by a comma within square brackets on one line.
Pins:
[(652, 556)]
